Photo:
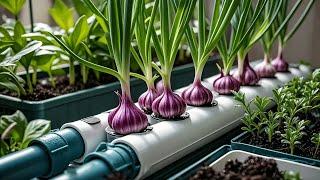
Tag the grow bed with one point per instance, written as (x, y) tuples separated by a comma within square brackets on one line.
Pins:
[(218, 159), (291, 130)]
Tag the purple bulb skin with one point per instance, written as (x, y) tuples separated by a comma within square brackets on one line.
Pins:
[(265, 70), (127, 118), (160, 87), (224, 85), (146, 99), (197, 95), (168, 105), (248, 77), (280, 64)]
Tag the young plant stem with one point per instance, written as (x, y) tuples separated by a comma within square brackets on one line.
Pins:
[(84, 73), (52, 80), (34, 75), (29, 83), (71, 72), (316, 151)]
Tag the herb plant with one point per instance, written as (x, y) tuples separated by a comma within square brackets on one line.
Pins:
[(17, 133), (316, 140), (293, 133), (13, 6)]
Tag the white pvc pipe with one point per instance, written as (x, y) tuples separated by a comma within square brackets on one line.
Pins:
[(171, 140)]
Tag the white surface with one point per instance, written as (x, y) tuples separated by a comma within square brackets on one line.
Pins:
[(171, 140), (92, 134), (307, 172)]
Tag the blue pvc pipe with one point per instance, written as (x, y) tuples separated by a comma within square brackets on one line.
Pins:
[(46, 157), (25, 164), (110, 161), (96, 169)]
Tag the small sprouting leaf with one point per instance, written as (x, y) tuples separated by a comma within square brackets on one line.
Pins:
[(13, 6), (80, 32), (62, 15), (35, 129)]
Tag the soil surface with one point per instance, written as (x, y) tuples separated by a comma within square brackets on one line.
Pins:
[(253, 168), (305, 149), (43, 89)]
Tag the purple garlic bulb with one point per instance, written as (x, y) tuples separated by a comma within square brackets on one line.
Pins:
[(265, 70), (225, 84), (280, 64), (168, 105), (146, 99), (160, 87), (197, 95), (127, 117), (245, 74)]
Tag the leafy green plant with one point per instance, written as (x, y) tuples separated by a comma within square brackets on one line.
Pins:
[(316, 140), (62, 15), (272, 123), (13, 6), (291, 175), (17, 133), (293, 133)]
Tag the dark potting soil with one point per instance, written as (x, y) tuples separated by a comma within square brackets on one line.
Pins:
[(43, 90), (305, 149), (253, 168)]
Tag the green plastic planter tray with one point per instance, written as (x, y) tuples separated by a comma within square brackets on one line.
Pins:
[(84, 103), (238, 143), (221, 156)]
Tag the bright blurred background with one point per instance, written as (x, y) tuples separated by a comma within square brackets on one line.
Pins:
[(305, 45)]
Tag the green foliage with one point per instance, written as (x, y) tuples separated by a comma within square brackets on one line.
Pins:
[(62, 15), (208, 35), (316, 140), (294, 133), (272, 123), (17, 133), (291, 175), (13, 6)]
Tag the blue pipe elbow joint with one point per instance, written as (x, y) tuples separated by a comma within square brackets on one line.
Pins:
[(109, 161)]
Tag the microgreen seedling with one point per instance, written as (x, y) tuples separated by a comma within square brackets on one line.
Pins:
[(316, 140)]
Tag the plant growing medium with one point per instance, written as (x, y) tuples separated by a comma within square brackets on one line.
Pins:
[(170, 105), (279, 62), (16, 133), (265, 68), (293, 126), (251, 168), (203, 43), (126, 118)]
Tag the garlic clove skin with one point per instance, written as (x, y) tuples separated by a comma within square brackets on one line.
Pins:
[(146, 99), (265, 70), (168, 105), (159, 87), (280, 64), (248, 77), (224, 85), (197, 95), (127, 118)]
